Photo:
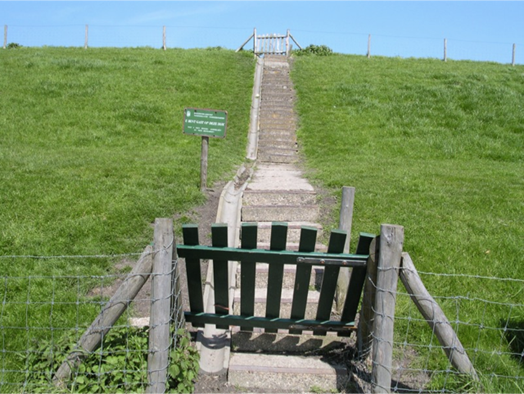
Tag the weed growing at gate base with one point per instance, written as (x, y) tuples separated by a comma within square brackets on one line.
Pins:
[(91, 152), (438, 148)]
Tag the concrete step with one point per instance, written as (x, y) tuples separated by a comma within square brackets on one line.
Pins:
[(276, 158), (285, 305), (278, 143), (288, 281), (285, 343), (293, 231), (277, 151), (278, 197), (282, 213), (278, 113), (285, 373), (277, 120), (277, 134), (269, 144)]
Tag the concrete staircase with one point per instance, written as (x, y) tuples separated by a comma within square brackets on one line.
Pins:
[(278, 192)]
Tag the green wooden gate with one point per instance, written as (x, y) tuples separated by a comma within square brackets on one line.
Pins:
[(277, 256)]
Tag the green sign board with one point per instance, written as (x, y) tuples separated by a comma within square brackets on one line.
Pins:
[(205, 122)]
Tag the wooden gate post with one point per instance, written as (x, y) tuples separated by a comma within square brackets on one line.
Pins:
[(344, 223), (389, 259), (161, 295)]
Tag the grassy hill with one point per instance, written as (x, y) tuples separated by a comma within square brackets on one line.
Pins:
[(91, 152), (438, 148)]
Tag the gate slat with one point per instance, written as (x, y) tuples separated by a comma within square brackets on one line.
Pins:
[(276, 272), (220, 272), (356, 283), (329, 281), (248, 273), (193, 273), (308, 239)]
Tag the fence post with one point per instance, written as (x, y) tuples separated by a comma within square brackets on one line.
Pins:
[(390, 254), (369, 46), (513, 55), (5, 36), (86, 37), (255, 42), (287, 43), (365, 325), (161, 295), (344, 223), (164, 38), (445, 49), (436, 318)]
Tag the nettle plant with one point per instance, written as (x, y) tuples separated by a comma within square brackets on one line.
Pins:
[(119, 366)]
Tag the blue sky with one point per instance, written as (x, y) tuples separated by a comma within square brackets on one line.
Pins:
[(474, 30)]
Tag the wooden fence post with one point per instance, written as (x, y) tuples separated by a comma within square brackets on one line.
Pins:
[(513, 55), (203, 163), (161, 296), (111, 312), (445, 49), (390, 254), (435, 317), (365, 324), (344, 223), (86, 37), (164, 38), (369, 46)]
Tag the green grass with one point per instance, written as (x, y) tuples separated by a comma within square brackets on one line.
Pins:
[(91, 152), (439, 149)]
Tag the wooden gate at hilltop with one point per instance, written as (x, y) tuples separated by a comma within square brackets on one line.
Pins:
[(271, 44)]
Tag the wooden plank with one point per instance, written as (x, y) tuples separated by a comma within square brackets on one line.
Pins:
[(220, 272), (248, 273), (110, 313), (356, 283), (308, 239), (391, 242), (271, 324), (271, 256), (276, 272), (161, 295), (337, 241), (193, 272), (436, 318)]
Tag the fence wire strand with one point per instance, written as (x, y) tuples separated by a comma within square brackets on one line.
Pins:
[(43, 317)]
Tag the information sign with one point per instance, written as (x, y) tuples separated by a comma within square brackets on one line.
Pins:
[(205, 122)]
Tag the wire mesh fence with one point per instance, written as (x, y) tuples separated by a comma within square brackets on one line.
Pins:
[(488, 317), (232, 37), (86, 333)]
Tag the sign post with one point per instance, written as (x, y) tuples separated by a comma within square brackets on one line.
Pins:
[(205, 123)]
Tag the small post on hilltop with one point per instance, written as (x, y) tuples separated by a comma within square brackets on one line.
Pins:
[(164, 38), (445, 49), (5, 36), (513, 55), (369, 46), (86, 37)]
